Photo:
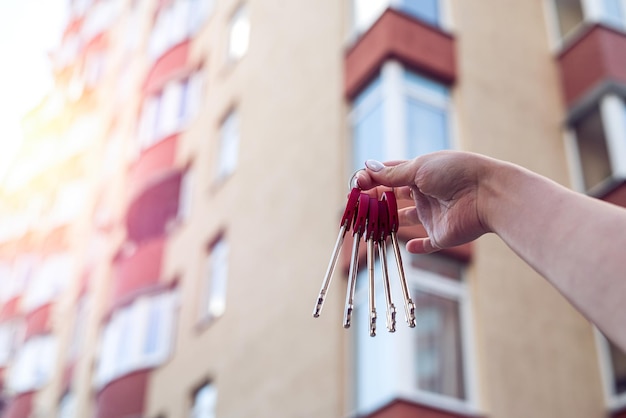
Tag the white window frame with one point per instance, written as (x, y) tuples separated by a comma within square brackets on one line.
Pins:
[(592, 13), (33, 365), (238, 34), (50, 279), (613, 401), (215, 281), (229, 139), (121, 354), (393, 92), (201, 406), (404, 344), (613, 115)]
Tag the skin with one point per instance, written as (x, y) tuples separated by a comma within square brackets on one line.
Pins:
[(576, 242)]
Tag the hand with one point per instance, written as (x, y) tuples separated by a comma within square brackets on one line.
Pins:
[(445, 188)]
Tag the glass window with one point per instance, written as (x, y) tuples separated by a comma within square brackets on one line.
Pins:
[(595, 163), (400, 115), (217, 276), (204, 402), (67, 406), (49, 280), (239, 34), (426, 10), (229, 145), (618, 366), (427, 361), (33, 365), (366, 12), (137, 336), (569, 15)]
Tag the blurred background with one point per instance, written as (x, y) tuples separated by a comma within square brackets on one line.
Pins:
[(173, 177)]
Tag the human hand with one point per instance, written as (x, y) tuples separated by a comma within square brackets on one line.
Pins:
[(445, 188)]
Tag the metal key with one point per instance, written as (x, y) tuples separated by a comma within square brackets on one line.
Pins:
[(357, 232), (346, 223), (371, 236), (383, 233), (392, 206)]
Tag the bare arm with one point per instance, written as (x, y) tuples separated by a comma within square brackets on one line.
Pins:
[(576, 242)]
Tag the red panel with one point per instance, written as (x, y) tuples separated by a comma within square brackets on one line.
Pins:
[(396, 35), (168, 66), (617, 196), (597, 55), (20, 406), (154, 160), (9, 309), (140, 270), (123, 397), (37, 321), (404, 409)]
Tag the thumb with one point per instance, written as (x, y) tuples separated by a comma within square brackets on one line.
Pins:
[(392, 174)]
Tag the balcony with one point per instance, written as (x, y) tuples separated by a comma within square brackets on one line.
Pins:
[(397, 35), (140, 270), (37, 321), (123, 397), (154, 207), (153, 161), (20, 406), (170, 64), (10, 309), (592, 62)]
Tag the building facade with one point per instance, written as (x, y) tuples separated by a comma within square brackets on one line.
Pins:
[(169, 217)]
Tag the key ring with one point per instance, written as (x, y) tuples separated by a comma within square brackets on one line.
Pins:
[(353, 184)]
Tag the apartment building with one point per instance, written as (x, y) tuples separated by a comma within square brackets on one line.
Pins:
[(168, 220)]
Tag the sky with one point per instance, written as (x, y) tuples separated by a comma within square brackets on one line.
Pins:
[(29, 29)]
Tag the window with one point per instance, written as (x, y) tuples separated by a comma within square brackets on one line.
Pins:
[(400, 115), (33, 365), (67, 406), (176, 22), (8, 339), (204, 402), (14, 280), (238, 34), (428, 364), (214, 298), (79, 328), (366, 12), (613, 366), (167, 111), (229, 145), (49, 281), (185, 195), (569, 15), (137, 336), (597, 143)]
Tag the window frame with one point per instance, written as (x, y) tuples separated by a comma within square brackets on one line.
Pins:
[(593, 13), (220, 247), (229, 140), (612, 110), (404, 346), (393, 91), (233, 54), (194, 412), (614, 402)]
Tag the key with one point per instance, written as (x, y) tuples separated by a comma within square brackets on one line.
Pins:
[(357, 232), (383, 233), (346, 223), (371, 236), (392, 206)]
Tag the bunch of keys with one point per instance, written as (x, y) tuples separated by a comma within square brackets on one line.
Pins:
[(373, 221)]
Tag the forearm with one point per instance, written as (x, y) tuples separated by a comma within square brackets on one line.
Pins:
[(574, 241)]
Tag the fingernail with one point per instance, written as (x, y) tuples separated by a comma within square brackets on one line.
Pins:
[(374, 165)]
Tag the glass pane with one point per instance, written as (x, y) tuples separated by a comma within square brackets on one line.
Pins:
[(427, 128), (569, 15), (613, 12), (439, 359), (239, 35), (229, 145), (153, 327), (592, 148), (426, 10), (618, 362), (205, 402), (368, 137)]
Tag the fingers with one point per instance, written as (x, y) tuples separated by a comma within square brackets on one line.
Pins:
[(368, 178), (393, 174), (408, 216), (421, 246)]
